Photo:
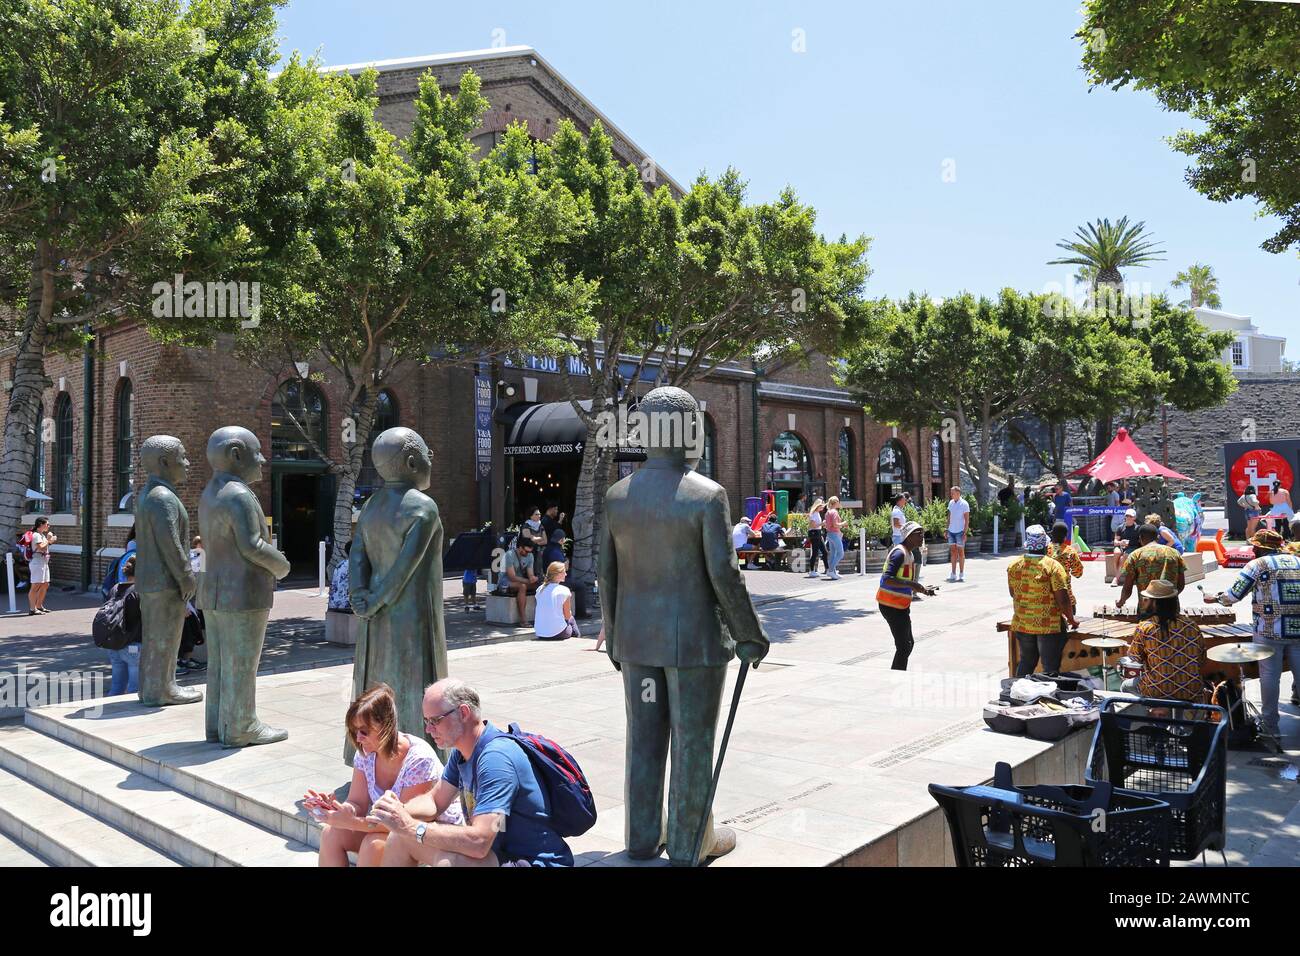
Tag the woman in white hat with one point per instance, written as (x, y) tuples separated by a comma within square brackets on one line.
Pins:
[(1168, 648)]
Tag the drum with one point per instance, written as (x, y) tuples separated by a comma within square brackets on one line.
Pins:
[(1130, 667)]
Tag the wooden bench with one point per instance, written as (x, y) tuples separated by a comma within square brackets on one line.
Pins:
[(775, 560), (501, 609)]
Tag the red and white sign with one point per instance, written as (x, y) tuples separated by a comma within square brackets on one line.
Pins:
[(1257, 467)]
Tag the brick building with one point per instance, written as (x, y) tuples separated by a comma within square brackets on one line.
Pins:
[(787, 426)]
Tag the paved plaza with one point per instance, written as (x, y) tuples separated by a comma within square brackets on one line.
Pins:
[(829, 759)]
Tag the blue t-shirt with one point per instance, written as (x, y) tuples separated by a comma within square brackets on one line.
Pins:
[(1062, 501), (499, 779), (553, 552), (469, 577)]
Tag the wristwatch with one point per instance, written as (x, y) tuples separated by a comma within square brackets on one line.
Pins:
[(419, 832)]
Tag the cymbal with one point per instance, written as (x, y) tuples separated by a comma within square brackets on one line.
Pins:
[(1244, 653), (1106, 642)]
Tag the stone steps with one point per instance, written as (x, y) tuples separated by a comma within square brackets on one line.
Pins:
[(157, 815), (187, 780), (64, 835), (14, 854)]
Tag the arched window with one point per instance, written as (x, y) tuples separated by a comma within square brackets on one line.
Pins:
[(848, 469), (124, 463), (298, 410), (893, 470), (63, 463), (708, 461), (37, 480), (789, 465), (385, 418)]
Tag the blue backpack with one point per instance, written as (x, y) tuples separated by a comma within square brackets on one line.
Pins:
[(569, 802)]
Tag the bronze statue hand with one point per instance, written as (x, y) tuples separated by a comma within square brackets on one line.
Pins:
[(751, 652), (189, 586), (360, 599)]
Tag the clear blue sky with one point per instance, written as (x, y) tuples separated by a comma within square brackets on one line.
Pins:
[(862, 122)]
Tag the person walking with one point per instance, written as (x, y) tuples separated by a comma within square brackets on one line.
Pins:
[(1281, 511), (834, 538), (897, 518), (1040, 597), (898, 585), (1249, 504), (37, 550), (958, 527), (817, 539), (1273, 578)]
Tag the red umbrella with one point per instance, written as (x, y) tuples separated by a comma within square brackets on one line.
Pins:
[(1124, 459)]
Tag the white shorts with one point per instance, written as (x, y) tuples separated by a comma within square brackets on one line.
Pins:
[(40, 570)]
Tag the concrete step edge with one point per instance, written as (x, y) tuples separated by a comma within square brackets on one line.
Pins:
[(64, 773), (251, 810), (47, 843)]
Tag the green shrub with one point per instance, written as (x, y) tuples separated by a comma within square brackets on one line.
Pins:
[(797, 523), (934, 519), (876, 524)]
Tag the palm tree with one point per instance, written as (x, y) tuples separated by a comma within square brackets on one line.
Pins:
[(1202, 286), (1104, 249)]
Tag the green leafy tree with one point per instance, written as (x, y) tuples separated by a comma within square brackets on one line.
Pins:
[(127, 124), (1202, 286), (1235, 68), (682, 285), (1102, 249), (408, 251)]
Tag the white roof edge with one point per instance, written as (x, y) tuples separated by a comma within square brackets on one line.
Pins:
[(496, 53), (1220, 312)]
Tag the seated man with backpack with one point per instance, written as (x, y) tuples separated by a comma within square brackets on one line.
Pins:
[(116, 628), (508, 781)]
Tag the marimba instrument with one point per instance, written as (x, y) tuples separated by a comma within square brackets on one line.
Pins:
[(1078, 656), (1197, 615)]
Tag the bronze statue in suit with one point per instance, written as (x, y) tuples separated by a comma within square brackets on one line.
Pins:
[(395, 582), (237, 586), (676, 609), (163, 578)]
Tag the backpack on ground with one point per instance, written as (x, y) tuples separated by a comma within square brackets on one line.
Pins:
[(109, 626), (569, 802)]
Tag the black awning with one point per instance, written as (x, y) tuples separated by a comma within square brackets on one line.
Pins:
[(550, 430)]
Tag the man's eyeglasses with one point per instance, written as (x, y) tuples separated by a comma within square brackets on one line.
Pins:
[(435, 721)]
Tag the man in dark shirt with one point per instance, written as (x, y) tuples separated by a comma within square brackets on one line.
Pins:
[(551, 521), (771, 535)]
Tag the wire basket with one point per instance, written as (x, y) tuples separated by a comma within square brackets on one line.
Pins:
[(1170, 751), (1004, 825)]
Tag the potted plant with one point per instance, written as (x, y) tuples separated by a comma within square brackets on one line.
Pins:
[(934, 519), (876, 525)]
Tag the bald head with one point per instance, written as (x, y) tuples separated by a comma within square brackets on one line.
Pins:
[(673, 422), (237, 451), (402, 458)]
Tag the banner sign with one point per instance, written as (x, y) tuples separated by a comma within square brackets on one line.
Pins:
[(483, 426)]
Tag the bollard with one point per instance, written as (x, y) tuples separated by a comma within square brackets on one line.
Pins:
[(996, 539), (862, 551), (9, 573), (323, 591)]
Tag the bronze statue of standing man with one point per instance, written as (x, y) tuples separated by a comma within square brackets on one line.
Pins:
[(396, 581), (163, 577), (237, 587), (675, 613)]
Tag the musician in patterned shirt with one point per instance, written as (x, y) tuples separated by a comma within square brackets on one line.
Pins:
[(1040, 598), (1274, 580), (1149, 562), (1066, 555), (1168, 646)]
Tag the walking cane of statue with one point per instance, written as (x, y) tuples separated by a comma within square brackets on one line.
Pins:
[(722, 752)]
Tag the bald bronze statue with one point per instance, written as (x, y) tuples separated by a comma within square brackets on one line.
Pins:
[(163, 577), (675, 614), (237, 587), (396, 581)]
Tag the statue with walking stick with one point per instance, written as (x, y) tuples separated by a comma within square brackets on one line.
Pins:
[(675, 615)]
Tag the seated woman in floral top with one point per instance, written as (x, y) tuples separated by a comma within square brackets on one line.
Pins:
[(1168, 646), (386, 760)]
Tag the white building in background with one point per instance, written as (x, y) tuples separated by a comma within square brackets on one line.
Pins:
[(1251, 352)]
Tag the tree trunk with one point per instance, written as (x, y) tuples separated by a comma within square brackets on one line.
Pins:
[(22, 430), (363, 415), (589, 509), (1103, 434)]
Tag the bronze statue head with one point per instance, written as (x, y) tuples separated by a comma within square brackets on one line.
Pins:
[(402, 458), (163, 456), (236, 451), (674, 425)]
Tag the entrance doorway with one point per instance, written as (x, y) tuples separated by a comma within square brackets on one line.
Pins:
[(536, 481), (302, 517)]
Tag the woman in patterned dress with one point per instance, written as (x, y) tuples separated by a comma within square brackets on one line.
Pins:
[(1168, 646), (385, 760)]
